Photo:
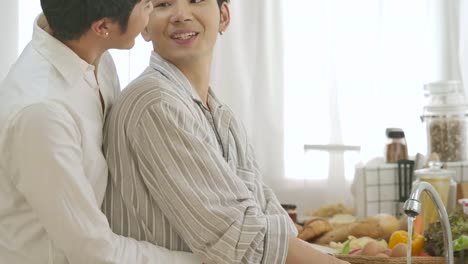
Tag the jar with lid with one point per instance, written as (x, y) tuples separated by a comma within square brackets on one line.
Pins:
[(291, 209), (446, 187), (396, 148), (446, 118)]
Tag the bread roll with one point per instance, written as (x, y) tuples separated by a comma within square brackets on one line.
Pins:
[(339, 233), (377, 227), (314, 228), (380, 226)]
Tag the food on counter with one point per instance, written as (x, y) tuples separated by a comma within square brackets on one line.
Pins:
[(314, 228), (330, 210), (355, 243), (377, 227), (375, 248), (434, 244), (388, 222), (399, 250), (401, 237), (299, 228), (378, 249), (340, 219), (461, 243)]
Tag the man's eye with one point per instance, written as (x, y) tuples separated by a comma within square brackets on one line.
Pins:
[(196, 1), (161, 4)]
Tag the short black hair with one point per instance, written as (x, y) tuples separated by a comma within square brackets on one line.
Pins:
[(70, 19), (220, 2)]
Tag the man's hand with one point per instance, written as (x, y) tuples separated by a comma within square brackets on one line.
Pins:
[(300, 252)]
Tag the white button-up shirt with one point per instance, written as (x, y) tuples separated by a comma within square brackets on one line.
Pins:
[(53, 174)]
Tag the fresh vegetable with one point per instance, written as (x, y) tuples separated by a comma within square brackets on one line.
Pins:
[(460, 243), (402, 237), (355, 243), (435, 238), (346, 248), (355, 251)]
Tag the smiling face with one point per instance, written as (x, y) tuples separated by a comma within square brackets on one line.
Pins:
[(185, 31)]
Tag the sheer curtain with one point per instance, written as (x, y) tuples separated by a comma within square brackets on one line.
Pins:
[(247, 75), (357, 68), (9, 45), (350, 70), (463, 23)]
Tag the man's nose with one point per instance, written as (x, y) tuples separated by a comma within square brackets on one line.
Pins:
[(182, 12)]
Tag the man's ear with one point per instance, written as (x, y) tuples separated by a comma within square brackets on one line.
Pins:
[(225, 17), (146, 35), (105, 27)]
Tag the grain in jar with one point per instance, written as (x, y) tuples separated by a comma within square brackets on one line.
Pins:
[(446, 121)]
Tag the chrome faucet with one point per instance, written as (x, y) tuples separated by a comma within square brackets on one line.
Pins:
[(412, 208)]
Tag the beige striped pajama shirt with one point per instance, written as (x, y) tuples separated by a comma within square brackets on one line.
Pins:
[(184, 177)]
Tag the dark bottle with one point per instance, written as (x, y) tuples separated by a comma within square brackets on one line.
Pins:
[(396, 148), (291, 209)]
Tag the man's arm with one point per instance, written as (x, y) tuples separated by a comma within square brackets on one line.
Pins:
[(273, 206), (208, 204), (51, 177)]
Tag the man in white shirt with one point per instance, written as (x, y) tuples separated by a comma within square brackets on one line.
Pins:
[(53, 103)]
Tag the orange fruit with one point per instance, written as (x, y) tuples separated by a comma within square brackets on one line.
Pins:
[(401, 236)]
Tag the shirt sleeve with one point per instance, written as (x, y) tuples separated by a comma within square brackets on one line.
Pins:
[(48, 149), (273, 206), (210, 206)]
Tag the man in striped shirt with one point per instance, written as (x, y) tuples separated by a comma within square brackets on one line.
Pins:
[(183, 174)]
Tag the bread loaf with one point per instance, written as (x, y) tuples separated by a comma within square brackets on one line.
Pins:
[(314, 228), (377, 227)]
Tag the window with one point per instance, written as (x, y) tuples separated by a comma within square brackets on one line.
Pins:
[(352, 69)]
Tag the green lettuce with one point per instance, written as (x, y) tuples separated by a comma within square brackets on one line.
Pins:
[(460, 243), (434, 244)]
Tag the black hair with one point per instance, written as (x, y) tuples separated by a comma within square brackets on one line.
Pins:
[(220, 2), (70, 19)]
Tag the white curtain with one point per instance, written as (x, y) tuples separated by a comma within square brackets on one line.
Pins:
[(247, 75), (350, 70), (463, 24), (9, 44)]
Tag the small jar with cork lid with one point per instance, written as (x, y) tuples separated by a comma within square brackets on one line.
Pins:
[(396, 148), (291, 209)]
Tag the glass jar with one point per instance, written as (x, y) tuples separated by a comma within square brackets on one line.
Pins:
[(464, 204), (396, 148), (446, 187), (446, 118), (291, 209)]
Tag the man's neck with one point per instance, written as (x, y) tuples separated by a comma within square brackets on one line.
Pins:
[(198, 73), (86, 49)]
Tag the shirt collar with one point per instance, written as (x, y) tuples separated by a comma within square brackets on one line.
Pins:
[(65, 60), (171, 72), (213, 100)]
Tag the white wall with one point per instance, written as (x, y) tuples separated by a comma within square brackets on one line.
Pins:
[(9, 45)]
